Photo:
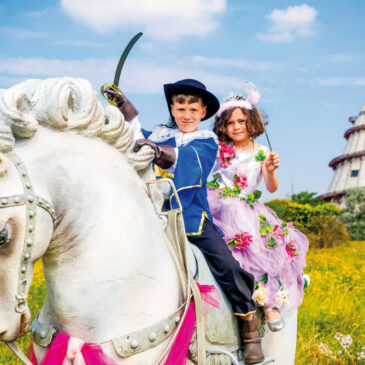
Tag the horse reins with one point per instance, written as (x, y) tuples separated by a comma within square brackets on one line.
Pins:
[(31, 201)]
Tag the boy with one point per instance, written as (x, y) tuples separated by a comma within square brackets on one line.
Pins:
[(189, 155)]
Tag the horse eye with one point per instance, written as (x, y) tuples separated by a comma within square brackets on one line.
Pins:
[(4, 237)]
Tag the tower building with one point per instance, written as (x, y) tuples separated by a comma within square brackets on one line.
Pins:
[(349, 168)]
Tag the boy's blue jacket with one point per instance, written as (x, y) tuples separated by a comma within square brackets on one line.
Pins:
[(196, 155)]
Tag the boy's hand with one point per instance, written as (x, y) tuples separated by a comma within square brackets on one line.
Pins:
[(272, 162), (122, 103), (165, 156)]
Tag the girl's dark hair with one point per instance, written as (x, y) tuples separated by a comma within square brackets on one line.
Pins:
[(253, 123), (181, 99)]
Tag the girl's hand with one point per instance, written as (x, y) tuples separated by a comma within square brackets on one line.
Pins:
[(272, 162)]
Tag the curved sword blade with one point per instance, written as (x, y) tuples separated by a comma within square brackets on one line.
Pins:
[(124, 56)]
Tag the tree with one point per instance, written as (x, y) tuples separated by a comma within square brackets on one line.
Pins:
[(353, 215), (305, 197)]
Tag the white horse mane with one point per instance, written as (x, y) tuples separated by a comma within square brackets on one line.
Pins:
[(63, 104)]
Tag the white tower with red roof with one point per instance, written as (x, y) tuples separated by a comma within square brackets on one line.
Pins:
[(349, 168)]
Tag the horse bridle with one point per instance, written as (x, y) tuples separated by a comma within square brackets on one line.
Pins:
[(31, 201)]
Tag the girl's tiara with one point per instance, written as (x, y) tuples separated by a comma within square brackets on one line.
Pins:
[(238, 101)]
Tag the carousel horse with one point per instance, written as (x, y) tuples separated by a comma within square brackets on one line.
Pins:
[(72, 194)]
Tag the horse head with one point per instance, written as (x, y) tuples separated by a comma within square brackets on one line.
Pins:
[(74, 199)]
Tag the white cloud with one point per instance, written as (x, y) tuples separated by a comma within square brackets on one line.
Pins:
[(37, 14), (160, 19), (289, 24), (341, 81), (340, 58), (13, 32), (138, 77), (74, 43), (245, 64)]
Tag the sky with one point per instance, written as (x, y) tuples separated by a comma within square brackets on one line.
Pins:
[(305, 57)]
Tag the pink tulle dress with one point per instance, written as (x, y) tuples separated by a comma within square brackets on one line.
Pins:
[(269, 248)]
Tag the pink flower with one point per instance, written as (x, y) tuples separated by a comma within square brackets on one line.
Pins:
[(241, 181), (226, 153), (290, 250), (225, 164), (241, 240), (278, 232), (278, 235), (290, 225)]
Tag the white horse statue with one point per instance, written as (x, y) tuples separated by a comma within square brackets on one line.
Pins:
[(70, 194)]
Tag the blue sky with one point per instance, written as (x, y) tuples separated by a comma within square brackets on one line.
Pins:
[(306, 58)]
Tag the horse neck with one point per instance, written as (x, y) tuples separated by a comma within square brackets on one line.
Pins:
[(108, 264)]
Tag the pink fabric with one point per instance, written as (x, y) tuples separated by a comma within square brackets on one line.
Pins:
[(211, 296), (179, 351), (74, 348), (91, 353)]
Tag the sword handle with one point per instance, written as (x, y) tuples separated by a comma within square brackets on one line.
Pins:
[(115, 88)]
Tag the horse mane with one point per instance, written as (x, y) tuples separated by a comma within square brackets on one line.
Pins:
[(62, 104)]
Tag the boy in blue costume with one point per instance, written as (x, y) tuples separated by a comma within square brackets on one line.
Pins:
[(189, 155)]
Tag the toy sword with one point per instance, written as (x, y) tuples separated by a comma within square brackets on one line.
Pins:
[(118, 71)]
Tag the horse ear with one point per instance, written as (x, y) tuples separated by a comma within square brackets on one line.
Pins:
[(3, 165)]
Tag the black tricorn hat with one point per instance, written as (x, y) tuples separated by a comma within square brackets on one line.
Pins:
[(192, 87)]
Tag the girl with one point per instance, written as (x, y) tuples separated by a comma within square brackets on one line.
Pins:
[(269, 248)]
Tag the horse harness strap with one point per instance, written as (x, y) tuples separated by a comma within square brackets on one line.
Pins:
[(147, 337), (178, 239), (126, 345), (18, 352), (31, 201)]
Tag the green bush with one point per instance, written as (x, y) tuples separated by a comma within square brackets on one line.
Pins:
[(326, 209), (353, 215), (326, 231)]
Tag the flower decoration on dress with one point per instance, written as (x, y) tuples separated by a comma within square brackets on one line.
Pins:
[(240, 179), (234, 100), (240, 241), (290, 225), (260, 294), (290, 250), (226, 154), (278, 235), (214, 184), (265, 226), (260, 156), (281, 297), (276, 238)]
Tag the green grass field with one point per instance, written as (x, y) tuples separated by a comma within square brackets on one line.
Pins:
[(331, 319)]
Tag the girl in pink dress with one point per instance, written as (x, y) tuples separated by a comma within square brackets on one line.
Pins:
[(264, 245)]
